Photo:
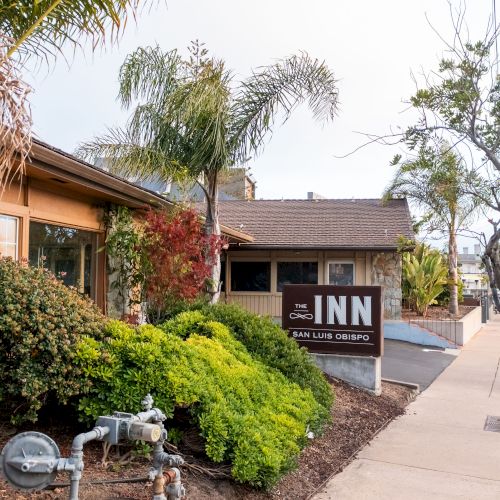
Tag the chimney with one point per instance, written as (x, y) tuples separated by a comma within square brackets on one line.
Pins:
[(477, 249), (466, 250), (314, 196)]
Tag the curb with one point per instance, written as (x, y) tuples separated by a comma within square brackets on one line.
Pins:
[(415, 387)]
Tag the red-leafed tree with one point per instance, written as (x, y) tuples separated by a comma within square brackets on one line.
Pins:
[(178, 255)]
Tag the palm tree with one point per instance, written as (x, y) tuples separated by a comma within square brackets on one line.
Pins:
[(194, 120), (435, 181), (40, 29)]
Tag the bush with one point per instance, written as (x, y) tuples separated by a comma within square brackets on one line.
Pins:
[(424, 277), (266, 342), (41, 322), (248, 413)]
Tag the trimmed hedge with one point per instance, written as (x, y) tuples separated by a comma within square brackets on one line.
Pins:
[(248, 413), (266, 342), (41, 323)]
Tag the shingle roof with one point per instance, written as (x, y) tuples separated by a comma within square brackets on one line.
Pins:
[(361, 223)]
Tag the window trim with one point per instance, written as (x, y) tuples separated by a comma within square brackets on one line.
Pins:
[(18, 239), (340, 261)]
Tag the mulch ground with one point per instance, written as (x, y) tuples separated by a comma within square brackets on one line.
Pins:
[(437, 313), (357, 417)]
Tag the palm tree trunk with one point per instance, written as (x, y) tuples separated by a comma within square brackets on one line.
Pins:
[(212, 228), (453, 272)]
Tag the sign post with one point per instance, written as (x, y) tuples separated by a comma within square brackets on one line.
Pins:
[(341, 326)]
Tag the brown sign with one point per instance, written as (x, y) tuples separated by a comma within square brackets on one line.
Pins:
[(335, 319)]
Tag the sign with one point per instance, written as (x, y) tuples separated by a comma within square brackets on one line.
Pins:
[(335, 319)]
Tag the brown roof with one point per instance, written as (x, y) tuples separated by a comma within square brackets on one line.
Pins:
[(319, 224)]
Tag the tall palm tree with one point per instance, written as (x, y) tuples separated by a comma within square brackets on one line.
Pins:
[(194, 120), (39, 29), (434, 180)]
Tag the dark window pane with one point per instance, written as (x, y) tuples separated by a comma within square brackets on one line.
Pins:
[(68, 253), (250, 276), (297, 273)]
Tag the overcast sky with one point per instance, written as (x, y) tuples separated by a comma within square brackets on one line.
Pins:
[(372, 47)]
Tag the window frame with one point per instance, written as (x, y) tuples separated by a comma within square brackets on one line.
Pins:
[(229, 276), (96, 265), (340, 261), (17, 237)]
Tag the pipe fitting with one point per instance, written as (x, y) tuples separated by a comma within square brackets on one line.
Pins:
[(175, 490)]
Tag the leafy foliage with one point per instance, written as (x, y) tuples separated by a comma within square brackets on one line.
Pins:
[(41, 323), (434, 181), (161, 260), (177, 252), (460, 104), (247, 412), (41, 28), (265, 341), (194, 121), (424, 277), (125, 257)]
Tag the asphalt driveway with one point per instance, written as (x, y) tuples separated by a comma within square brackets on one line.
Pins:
[(413, 363)]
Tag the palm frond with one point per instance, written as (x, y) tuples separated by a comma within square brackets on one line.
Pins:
[(150, 75), (280, 88), (41, 28), (434, 182), (200, 108), (118, 153), (15, 119)]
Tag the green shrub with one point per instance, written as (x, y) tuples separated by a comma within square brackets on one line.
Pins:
[(425, 276), (248, 413), (41, 322), (265, 341)]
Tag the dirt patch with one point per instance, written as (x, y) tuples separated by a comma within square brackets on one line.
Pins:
[(437, 313), (357, 417)]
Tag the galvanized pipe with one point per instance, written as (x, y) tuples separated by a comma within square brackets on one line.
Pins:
[(76, 458)]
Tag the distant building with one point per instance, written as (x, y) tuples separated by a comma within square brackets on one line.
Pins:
[(472, 273), (234, 184)]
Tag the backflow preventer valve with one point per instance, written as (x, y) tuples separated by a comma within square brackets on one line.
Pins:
[(30, 461)]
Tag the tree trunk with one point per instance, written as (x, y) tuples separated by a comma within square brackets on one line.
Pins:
[(453, 273), (212, 228), (491, 261)]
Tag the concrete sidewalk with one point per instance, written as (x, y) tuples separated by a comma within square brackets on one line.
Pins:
[(439, 449)]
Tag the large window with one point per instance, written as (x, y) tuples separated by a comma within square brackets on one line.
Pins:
[(250, 276), (341, 273), (69, 253), (9, 230), (297, 273)]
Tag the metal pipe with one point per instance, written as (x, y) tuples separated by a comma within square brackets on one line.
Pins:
[(175, 490), (76, 458), (151, 415)]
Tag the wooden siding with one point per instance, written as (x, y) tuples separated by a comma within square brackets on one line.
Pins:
[(39, 201), (269, 303)]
